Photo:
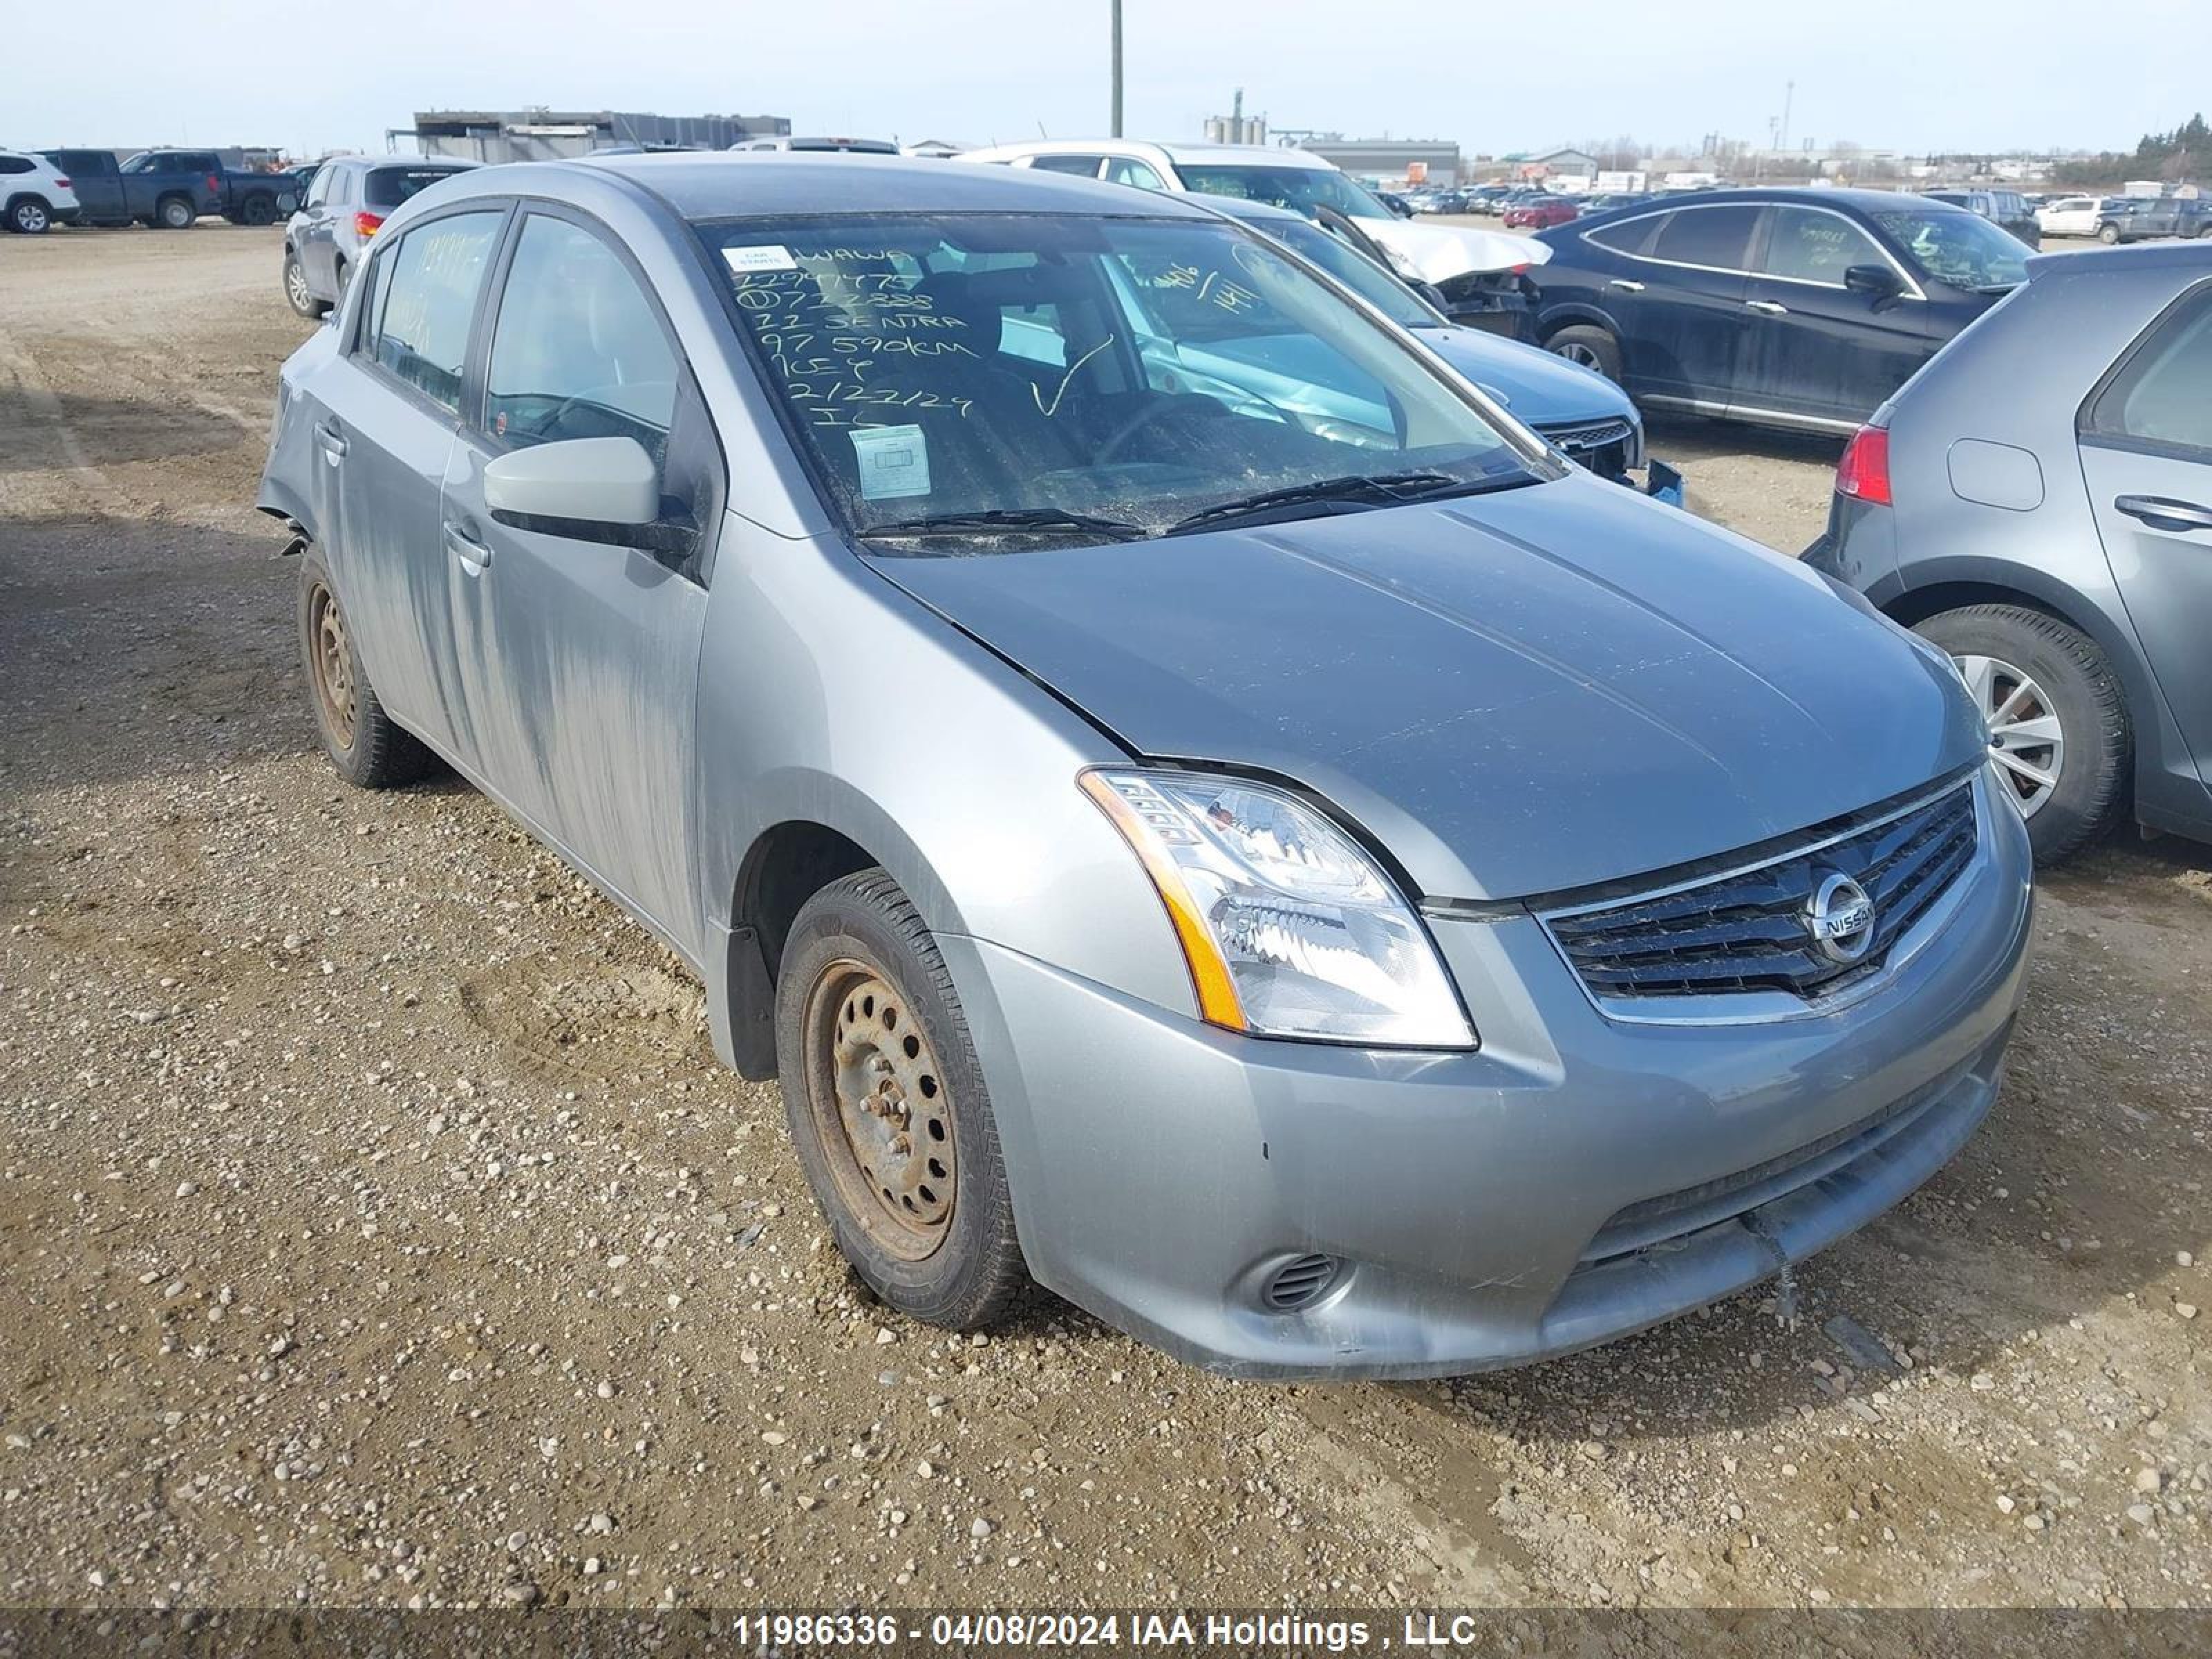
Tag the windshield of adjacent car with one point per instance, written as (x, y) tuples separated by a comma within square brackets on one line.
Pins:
[(1073, 371), (1352, 267), (1300, 188), (387, 187), (1957, 247)]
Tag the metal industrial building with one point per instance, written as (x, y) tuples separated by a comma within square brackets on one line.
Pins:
[(1385, 158), (545, 135)]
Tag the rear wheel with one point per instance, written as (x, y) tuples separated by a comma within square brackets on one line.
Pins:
[(886, 1101), (363, 742), (2060, 745), (28, 216), (1591, 346), (175, 213)]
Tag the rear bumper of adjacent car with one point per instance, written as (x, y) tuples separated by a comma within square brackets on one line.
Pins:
[(1278, 1209)]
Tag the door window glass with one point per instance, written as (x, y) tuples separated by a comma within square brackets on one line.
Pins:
[(578, 351), (2164, 395), (1084, 167), (1813, 246), (319, 190), (427, 298), (1628, 237), (1717, 237), (1127, 170)]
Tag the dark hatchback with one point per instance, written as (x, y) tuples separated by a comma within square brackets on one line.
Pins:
[(1801, 308)]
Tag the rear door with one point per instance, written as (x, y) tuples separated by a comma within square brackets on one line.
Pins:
[(387, 424), (579, 658), (99, 185), (2146, 441), (1813, 348), (312, 231), (1685, 319)]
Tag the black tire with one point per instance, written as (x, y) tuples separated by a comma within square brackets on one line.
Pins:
[(368, 749), (857, 937), (1591, 346), (297, 294), (30, 216), (175, 213), (258, 209), (2079, 688)]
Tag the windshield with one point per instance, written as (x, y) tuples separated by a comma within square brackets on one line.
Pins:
[(1300, 188), (1100, 377), (1960, 248), (1353, 269)]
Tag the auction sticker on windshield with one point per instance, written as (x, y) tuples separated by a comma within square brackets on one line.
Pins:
[(893, 461), (765, 258)]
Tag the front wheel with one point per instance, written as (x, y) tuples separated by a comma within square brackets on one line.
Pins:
[(297, 293), (885, 1101), (29, 217), (2108, 235), (1592, 347), (2060, 743), (257, 211)]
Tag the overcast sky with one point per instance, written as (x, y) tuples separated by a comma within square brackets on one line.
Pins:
[(1909, 74)]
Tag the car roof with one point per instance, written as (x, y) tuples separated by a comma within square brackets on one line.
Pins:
[(2193, 259), (457, 163), (1180, 155), (721, 185)]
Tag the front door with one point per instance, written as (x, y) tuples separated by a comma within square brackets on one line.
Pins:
[(1683, 325), (1812, 347), (2147, 457), (579, 658), (390, 409)]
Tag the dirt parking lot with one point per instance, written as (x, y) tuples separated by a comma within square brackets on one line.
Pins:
[(376, 1229)]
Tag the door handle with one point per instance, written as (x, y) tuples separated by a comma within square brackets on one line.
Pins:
[(333, 442), (2162, 512), (1623, 283), (1769, 306), (473, 553)]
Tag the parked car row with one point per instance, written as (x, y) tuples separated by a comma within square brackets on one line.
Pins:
[(2126, 218), (346, 199), (1304, 830), (167, 189)]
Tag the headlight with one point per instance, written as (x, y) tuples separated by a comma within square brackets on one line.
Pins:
[(1289, 927)]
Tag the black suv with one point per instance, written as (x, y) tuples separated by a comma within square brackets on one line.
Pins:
[(1792, 307)]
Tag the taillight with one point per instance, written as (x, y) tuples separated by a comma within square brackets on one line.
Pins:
[(61, 183), (364, 224), (1864, 473), (215, 184)]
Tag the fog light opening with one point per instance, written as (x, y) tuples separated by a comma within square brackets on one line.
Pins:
[(1301, 1282)]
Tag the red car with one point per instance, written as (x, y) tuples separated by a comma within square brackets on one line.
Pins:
[(1540, 215)]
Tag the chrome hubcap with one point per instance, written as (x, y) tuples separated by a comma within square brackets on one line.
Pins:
[(296, 280), (1579, 354), (2028, 748)]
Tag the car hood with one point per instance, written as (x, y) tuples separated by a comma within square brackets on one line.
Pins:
[(1538, 386), (1437, 253), (1517, 694)]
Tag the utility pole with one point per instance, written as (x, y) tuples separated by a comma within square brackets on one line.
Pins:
[(1788, 95), (1116, 123)]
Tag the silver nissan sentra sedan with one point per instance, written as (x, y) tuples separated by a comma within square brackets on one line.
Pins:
[(1342, 894)]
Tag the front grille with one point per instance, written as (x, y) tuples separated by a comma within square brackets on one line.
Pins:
[(1749, 930), (1587, 434)]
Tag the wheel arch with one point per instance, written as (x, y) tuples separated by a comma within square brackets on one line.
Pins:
[(786, 862), (1570, 314), (2032, 590)]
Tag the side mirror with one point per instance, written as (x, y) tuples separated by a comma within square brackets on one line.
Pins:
[(595, 490), (1876, 283)]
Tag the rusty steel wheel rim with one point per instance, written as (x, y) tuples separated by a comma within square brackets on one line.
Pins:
[(333, 664), (881, 1109)]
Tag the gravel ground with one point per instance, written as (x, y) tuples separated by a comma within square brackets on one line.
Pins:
[(376, 1229)]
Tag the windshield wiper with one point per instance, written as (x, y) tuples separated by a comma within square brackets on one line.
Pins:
[(1049, 519), (1383, 490)]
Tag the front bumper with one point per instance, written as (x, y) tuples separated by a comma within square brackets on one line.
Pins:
[(1574, 1180)]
